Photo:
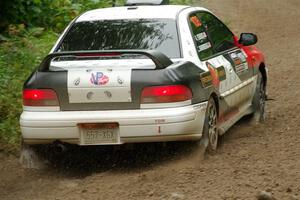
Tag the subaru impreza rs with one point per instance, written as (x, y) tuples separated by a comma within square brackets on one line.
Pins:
[(144, 73)]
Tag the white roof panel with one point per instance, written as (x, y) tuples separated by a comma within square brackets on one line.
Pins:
[(133, 12)]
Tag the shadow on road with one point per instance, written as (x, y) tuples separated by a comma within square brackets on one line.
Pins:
[(83, 161)]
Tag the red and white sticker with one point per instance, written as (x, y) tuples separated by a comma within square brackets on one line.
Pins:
[(200, 36), (204, 47), (99, 78)]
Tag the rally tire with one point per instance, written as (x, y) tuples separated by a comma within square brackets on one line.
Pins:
[(210, 130), (259, 101)]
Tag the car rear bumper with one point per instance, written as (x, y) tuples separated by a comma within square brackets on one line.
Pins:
[(144, 125)]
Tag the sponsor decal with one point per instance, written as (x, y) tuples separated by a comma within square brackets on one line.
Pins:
[(214, 74), (204, 46), (221, 73), (233, 55), (99, 78), (196, 21), (239, 62), (200, 36), (77, 81), (238, 57), (218, 74), (206, 79), (241, 68), (241, 56), (120, 80)]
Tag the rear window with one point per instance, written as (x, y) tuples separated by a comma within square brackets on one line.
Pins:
[(142, 34)]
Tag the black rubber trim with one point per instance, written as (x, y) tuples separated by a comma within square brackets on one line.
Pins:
[(160, 60)]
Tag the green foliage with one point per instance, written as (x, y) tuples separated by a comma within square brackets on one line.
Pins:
[(51, 14), (45, 13), (18, 57), (181, 2)]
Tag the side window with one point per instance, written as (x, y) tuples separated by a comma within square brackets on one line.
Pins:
[(203, 45), (211, 36), (220, 36)]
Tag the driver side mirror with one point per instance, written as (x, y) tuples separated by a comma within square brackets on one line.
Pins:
[(248, 39)]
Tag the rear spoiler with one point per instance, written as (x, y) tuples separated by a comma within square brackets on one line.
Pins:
[(160, 60)]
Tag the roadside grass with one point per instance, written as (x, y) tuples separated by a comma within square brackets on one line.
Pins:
[(19, 55)]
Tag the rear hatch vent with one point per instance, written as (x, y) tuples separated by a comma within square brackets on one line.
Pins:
[(146, 2)]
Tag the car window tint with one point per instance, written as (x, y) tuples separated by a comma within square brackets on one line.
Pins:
[(158, 34), (201, 39), (220, 36)]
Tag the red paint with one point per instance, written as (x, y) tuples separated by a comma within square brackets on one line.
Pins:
[(196, 21), (104, 80), (226, 116), (214, 74), (254, 56)]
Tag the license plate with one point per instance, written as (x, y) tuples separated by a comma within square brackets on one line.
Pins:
[(99, 133)]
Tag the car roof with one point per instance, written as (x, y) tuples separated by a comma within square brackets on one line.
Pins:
[(133, 12)]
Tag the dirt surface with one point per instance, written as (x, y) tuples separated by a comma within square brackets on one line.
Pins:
[(250, 158)]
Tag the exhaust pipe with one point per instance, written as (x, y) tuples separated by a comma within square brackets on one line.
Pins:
[(59, 148)]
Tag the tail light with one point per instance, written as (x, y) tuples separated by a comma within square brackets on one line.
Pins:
[(166, 94), (40, 97)]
